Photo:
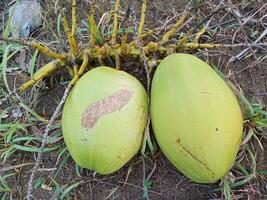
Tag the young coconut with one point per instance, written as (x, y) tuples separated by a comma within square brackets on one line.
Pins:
[(196, 118), (104, 118)]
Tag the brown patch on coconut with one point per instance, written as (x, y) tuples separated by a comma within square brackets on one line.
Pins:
[(105, 106)]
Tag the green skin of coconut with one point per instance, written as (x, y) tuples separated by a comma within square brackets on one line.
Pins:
[(104, 118), (196, 118)]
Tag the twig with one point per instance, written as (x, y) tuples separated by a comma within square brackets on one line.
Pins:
[(242, 53), (139, 44), (217, 9), (210, 46), (257, 45), (143, 57), (238, 15), (152, 171), (250, 18), (7, 97), (4, 169), (44, 140)]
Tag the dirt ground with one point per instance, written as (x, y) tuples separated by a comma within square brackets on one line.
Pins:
[(248, 74)]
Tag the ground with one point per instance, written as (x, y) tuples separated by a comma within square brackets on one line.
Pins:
[(59, 178)]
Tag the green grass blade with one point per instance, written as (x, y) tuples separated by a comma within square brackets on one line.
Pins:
[(59, 24), (69, 189), (3, 66), (33, 61), (38, 117), (263, 173), (33, 149), (26, 138)]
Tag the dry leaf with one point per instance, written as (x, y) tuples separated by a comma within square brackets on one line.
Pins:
[(46, 187)]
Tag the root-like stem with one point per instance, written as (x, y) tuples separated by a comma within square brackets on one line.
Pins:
[(92, 29), (125, 49), (118, 61), (115, 25), (142, 20), (81, 69), (71, 39), (201, 32), (171, 32), (73, 18), (36, 45), (47, 51), (45, 71)]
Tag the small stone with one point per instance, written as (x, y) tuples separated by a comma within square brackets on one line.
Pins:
[(16, 113), (25, 17)]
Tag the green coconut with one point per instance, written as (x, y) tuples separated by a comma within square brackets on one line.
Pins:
[(104, 118), (196, 118)]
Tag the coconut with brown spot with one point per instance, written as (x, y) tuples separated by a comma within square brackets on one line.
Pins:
[(104, 118)]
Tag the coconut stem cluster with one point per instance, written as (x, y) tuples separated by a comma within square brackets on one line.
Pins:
[(98, 51)]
